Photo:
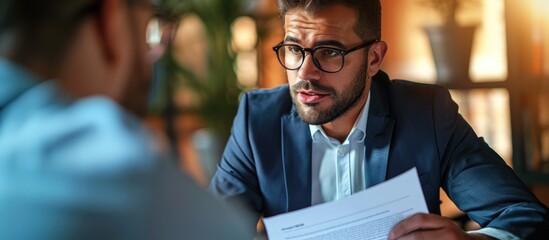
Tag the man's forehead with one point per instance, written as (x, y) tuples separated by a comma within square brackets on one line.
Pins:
[(313, 9), (335, 15), (335, 23)]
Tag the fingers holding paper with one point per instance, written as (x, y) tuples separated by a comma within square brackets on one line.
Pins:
[(429, 226)]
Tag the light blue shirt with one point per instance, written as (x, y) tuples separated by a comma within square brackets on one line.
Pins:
[(86, 169), (337, 168)]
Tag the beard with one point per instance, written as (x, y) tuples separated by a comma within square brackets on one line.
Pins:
[(342, 102)]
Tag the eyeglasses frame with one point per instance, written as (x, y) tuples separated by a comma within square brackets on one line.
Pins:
[(342, 52)]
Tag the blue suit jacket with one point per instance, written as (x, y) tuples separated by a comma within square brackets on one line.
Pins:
[(267, 160)]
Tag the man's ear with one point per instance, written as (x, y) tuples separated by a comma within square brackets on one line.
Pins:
[(376, 54), (113, 32)]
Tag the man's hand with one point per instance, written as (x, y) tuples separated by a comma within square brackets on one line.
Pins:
[(430, 226)]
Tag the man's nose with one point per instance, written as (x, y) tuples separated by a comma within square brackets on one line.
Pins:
[(308, 70)]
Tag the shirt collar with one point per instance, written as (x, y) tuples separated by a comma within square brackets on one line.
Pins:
[(358, 128)]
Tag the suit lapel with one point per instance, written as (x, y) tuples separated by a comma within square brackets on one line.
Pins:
[(296, 148), (379, 132)]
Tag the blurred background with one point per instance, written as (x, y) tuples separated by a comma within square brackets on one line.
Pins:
[(492, 54)]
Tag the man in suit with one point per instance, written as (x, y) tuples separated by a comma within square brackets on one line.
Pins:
[(340, 126), (75, 163)]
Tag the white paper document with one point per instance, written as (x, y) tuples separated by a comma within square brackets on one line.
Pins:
[(369, 214)]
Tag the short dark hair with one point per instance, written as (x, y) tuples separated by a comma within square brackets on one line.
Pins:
[(368, 24), (42, 29)]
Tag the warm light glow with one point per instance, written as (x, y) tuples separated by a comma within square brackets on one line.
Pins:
[(246, 68), (540, 36), (244, 44), (489, 54), (244, 34), (489, 58)]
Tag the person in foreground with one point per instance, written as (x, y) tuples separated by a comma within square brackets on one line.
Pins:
[(341, 125), (74, 162)]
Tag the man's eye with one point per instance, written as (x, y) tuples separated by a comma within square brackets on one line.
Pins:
[(294, 50), (328, 52)]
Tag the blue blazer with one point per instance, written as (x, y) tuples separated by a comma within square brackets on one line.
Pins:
[(267, 160)]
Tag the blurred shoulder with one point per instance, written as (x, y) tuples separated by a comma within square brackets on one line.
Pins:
[(98, 131), (90, 134)]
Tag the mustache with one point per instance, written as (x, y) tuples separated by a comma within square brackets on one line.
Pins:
[(312, 86)]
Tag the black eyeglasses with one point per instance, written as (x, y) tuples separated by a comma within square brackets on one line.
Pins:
[(327, 59)]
